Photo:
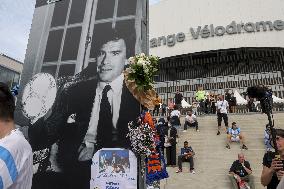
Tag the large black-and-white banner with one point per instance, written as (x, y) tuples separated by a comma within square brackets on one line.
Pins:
[(73, 99)]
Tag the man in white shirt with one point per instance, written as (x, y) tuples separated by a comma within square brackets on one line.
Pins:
[(16, 159), (222, 112), (190, 121)]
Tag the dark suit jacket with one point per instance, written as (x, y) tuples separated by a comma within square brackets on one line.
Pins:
[(78, 100), (173, 134)]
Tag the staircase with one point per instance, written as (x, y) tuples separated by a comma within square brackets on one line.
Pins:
[(212, 160)]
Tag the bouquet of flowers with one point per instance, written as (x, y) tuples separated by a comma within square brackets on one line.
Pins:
[(139, 78), (142, 69)]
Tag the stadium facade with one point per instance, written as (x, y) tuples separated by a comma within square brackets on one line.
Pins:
[(217, 44)]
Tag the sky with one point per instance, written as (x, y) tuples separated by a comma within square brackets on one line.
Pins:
[(15, 24)]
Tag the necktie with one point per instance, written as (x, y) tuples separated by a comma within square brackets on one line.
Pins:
[(104, 131), (105, 125)]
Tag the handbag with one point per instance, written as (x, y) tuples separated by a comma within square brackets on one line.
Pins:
[(167, 142)]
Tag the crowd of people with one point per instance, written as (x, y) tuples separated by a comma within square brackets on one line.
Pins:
[(203, 103), (16, 153), (240, 173)]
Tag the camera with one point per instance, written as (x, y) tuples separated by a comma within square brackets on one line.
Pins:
[(264, 95)]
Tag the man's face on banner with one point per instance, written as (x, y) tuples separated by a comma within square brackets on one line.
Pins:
[(111, 60)]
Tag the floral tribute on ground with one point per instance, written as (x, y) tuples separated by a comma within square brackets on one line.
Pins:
[(145, 141)]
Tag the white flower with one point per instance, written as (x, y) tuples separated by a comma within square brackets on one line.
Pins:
[(131, 60), (142, 55), (131, 70), (146, 69), (141, 62)]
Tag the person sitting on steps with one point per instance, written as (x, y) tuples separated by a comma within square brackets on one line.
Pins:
[(190, 121), (235, 135), (240, 174), (186, 155)]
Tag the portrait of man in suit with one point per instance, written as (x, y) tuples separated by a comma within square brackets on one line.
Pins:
[(89, 113)]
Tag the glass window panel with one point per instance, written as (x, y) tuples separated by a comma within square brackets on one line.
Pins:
[(49, 69), (101, 31), (127, 31), (66, 70), (105, 9), (60, 13), (53, 46), (126, 7), (77, 11), (71, 44)]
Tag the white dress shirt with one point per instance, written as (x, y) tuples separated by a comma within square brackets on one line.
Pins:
[(223, 106), (114, 97)]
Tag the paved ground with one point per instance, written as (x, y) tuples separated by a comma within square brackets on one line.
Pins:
[(212, 159)]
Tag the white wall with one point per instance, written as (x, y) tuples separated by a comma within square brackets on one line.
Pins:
[(173, 16)]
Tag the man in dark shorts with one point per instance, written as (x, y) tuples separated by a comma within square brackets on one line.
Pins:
[(222, 112)]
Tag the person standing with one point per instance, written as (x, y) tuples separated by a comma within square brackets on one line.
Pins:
[(222, 113), (164, 109), (200, 97), (157, 105), (233, 103), (162, 129), (171, 145), (170, 106), (213, 104), (178, 99), (16, 165), (228, 97), (175, 118), (207, 104)]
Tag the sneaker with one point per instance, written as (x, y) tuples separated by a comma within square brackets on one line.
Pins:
[(192, 172), (197, 130), (228, 146), (179, 171), (184, 131), (244, 147), (218, 133)]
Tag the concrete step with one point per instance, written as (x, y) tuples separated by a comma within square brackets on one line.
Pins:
[(212, 159)]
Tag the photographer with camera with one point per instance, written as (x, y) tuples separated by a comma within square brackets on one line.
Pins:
[(273, 170)]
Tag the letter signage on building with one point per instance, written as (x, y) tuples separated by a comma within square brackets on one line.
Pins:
[(211, 31)]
